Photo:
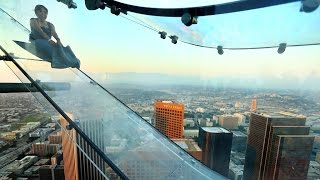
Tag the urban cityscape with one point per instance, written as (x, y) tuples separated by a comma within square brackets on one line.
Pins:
[(210, 123), (212, 90)]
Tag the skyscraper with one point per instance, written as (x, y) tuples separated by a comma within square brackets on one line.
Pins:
[(254, 105), (291, 157), (264, 130), (274, 148), (169, 117), (69, 150), (216, 143), (76, 162)]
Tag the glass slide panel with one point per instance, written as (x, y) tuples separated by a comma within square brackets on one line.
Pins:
[(130, 142), (262, 27), (71, 140)]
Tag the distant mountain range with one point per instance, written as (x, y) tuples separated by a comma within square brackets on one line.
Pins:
[(158, 79)]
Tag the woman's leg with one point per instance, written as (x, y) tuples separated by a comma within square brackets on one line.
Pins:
[(44, 49)]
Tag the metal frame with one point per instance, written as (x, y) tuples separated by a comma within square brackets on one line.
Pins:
[(230, 7)]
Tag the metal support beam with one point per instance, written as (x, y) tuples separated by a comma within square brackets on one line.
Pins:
[(3, 58)]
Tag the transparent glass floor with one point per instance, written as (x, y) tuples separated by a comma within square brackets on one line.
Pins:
[(130, 142)]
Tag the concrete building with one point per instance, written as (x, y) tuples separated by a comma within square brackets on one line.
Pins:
[(19, 166), (33, 170), (190, 133), (313, 171), (40, 132), (235, 171), (229, 121), (190, 146)]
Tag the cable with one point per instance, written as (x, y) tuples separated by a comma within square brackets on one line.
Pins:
[(153, 29), (250, 48), (15, 20), (143, 22)]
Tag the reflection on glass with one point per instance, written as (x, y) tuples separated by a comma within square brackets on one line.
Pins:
[(140, 151), (130, 142)]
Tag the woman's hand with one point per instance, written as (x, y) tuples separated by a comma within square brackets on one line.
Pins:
[(51, 42)]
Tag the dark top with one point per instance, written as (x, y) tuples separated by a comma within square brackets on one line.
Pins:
[(36, 35)]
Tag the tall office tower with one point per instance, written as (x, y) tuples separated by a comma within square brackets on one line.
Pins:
[(261, 133), (216, 143), (291, 157), (69, 150), (273, 148), (254, 105), (76, 162), (95, 130), (169, 117)]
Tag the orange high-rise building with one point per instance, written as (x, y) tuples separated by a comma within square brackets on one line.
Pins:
[(69, 148), (169, 117), (254, 105)]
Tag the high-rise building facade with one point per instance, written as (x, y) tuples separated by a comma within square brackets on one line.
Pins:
[(216, 143), (261, 144), (273, 147), (76, 162), (169, 117), (69, 150), (291, 157), (254, 105)]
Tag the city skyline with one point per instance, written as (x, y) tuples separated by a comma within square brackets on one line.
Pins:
[(209, 104)]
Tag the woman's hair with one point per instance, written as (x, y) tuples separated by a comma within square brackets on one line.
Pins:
[(39, 7)]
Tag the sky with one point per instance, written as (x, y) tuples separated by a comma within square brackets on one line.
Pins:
[(108, 43)]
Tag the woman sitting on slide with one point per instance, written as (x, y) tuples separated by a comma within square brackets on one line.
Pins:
[(41, 34)]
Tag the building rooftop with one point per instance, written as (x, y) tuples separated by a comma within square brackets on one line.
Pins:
[(281, 114), (238, 133), (215, 130), (168, 101), (187, 144)]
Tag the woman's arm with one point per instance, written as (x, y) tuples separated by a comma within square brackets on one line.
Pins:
[(36, 26), (54, 33)]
